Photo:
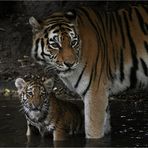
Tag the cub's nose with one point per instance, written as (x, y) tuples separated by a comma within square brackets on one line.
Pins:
[(36, 108)]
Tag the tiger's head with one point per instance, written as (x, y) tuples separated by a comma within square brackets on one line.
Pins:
[(34, 97), (56, 41)]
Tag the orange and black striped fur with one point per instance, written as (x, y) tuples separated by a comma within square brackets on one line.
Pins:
[(96, 54), (45, 111)]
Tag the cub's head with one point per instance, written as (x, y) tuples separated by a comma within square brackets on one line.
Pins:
[(34, 95), (56, 41)]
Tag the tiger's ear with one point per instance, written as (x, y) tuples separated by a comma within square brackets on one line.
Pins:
[(20, 84), (71, 15), (35, 24), (49, 83)]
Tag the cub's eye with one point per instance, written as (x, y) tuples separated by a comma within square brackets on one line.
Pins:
[(55, 45), (74, 42), (30, 93)]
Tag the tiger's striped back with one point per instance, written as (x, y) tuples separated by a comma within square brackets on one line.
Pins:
[(121, 49)]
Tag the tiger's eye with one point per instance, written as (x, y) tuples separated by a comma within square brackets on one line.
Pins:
[(30, 93), (74, 42), (55, 45)]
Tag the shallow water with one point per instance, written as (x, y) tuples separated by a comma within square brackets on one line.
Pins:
[(129, 122)]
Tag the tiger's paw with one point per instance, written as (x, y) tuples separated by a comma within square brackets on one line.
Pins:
[(28, 133)]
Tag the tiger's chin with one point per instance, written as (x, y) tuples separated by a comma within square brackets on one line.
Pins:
[(35, 115), (66, 73)]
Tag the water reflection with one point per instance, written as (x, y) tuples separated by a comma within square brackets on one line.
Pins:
[(129, 128)]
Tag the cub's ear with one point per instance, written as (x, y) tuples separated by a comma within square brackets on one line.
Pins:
[(35, 24), (20, 84), (49, 83)]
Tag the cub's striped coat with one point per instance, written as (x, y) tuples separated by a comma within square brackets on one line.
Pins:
[(46, 112)]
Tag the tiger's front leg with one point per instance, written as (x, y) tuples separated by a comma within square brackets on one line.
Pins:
[(95, 113), (59, 135), (28, 132)]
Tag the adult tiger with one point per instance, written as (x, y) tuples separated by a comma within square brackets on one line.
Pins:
[(96, 54)]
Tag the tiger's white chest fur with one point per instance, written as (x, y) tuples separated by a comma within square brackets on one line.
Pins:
[(72, 82), (43, 126), (34, 115)]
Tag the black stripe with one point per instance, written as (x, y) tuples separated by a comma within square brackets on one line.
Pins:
[(141, 21), (42, 46), (81, 20), (90, 20), (45, 54), (107, 21), (146, 27), (51, 27), (46, 31), (133, 77), (146, 46), (111, 29), (121, 28), (145, 69), (114, 22), (80, 76), (121, 65), (46, 35), (36, 49), (114, 25), (97, 54), (55, 20), (145, 8), (130, 13), (110, 72), (104, 29), (104, 51), (90, 80), (55, 31), (96, 64), (114, 57), (97, 33), (60, 24)]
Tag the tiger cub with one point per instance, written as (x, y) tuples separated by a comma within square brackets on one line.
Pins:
[(45, 111)]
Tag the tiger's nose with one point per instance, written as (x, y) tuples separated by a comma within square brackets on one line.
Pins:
[(69, 64), (35, 108)]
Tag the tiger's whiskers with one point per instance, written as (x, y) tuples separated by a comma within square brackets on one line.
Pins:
[(49, 68)]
